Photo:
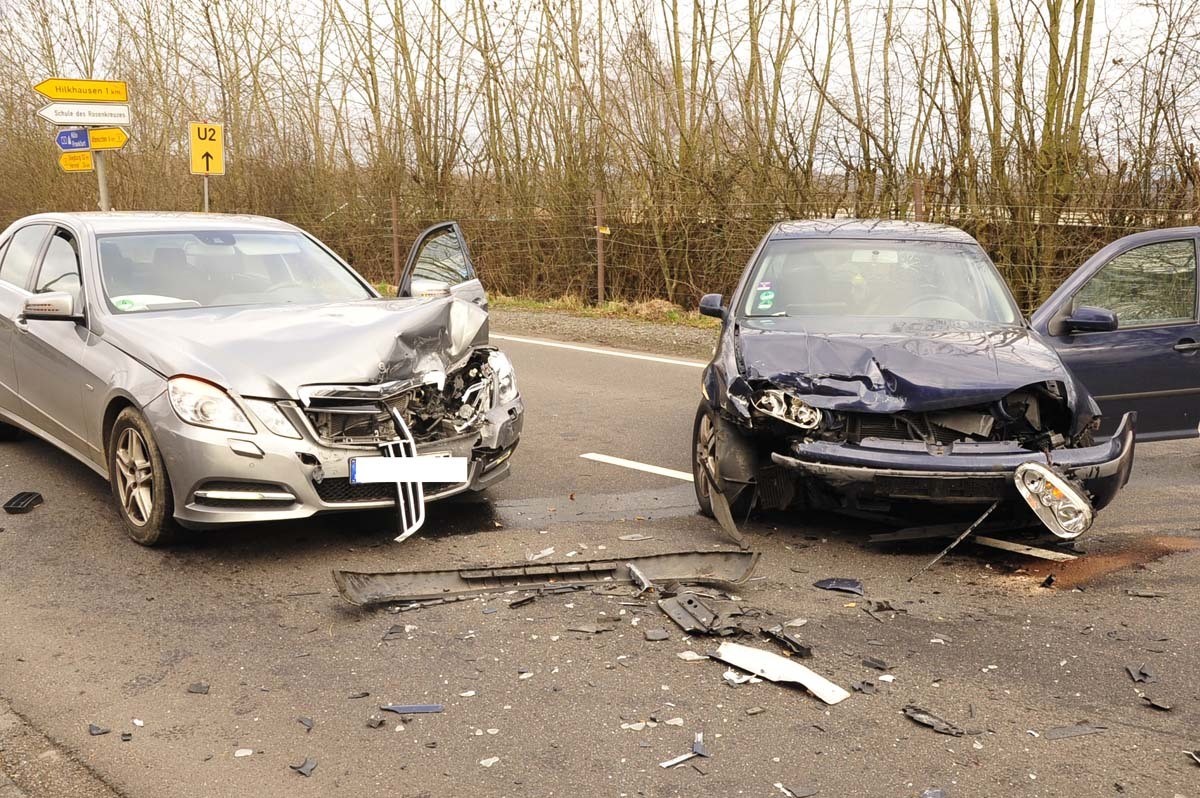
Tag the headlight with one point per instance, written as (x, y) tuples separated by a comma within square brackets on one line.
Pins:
[(506, 377), (1058, 504), (272, 417), (785, 407), (205, 405)]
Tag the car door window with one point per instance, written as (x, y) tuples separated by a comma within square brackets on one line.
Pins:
[(60, 268), (442, 258), (21, 254), (1154, 284)]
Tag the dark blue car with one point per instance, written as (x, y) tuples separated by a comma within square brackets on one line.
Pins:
[(877, 366)]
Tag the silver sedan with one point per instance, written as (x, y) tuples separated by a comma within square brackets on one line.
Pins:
[(224, 369)]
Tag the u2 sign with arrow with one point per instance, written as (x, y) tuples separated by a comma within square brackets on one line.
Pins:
[(207, 148)]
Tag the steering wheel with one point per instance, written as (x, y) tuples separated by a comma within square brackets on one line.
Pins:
[(934, 298)]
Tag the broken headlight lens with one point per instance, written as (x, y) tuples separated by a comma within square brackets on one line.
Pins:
[(205, 405), (272, 417), (785, 407), (506, 377), (1063, 508)]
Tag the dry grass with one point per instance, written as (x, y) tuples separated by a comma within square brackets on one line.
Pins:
[(658, 311)]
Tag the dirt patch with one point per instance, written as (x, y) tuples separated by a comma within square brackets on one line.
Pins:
[(1090, 568)]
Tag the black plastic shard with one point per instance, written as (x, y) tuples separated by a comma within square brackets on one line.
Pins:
[(199, 688), (927, 718), (865, 686), (789, 641), (412, 709), (1155, 703), (307, 723), (306, 767), (1140, 673), (23, 502), (353, 696), (876, 663), (1077, 730), (96, 731), (845, 585), (688, 567)]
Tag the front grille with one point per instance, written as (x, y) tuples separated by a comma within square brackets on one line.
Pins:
[(340, 490), (943, 488)]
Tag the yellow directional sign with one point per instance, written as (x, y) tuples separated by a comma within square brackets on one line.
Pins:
[(207, 148), (96, 91), (108, 138), (76, 161)]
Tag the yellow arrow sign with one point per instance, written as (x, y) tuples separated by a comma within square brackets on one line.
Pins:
[(97, 91), (76, 161), (207, 148), (108, 138)]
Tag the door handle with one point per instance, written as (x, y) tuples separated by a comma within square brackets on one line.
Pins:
[(1187, 345)]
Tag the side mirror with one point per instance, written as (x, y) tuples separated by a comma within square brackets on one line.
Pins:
[(424, 288), (710, 305), (51, 306), (1089, 319)]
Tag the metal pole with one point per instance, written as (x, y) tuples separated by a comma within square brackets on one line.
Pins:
[(206, 193), (957, 540), (599, 247), (102, 180), (395, 245)]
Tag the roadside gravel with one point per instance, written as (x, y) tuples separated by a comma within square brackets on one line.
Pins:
[(668, 339)]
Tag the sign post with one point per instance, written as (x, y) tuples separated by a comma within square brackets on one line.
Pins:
[(207, 148), (81, 105)]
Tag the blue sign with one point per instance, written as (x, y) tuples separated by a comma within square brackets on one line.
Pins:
[(73, 139)]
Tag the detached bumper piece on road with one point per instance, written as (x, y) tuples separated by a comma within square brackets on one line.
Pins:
[(23, 502), (695, 567)]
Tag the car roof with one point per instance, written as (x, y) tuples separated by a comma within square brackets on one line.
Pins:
[(155, 222), (869, 228)]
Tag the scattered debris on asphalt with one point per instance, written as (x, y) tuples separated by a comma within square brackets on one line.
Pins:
[(374, 722), (654, 635), (1155, 703), (198, 688), (735, 678), (23, 502), (241, 752), (636, 536), (1194, 755), (412, 709), (126, 737), (698, 749), (590, 629), (1021, 548), (307, 723), (844, 585), (1141, 674), (796, 792), (354, 696), (691, 656), (756, 711), (698, 614), (96, 731), (775, 668), (933, 792), (491, 760), (1139, 593), (866, 686), (306, 767), (521, 602), (723, 512), (927, 718), (1076, 730), (440, 586), (788, 641), (876, 663), (1048, 581), (966, 533), (540, 555)]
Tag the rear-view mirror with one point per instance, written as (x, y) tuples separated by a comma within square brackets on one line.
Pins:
[(50, 306), (1089, 319), (710, 305)]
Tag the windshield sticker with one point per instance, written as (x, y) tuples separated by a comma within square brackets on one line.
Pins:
[(766, 300), (765, 285)]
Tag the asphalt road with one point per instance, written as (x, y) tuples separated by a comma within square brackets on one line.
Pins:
[(94, 629)]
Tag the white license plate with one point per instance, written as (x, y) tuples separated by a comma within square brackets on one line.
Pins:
[(435, 467)]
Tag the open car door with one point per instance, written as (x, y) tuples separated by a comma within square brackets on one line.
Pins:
[(1126, 323), (439, 262)]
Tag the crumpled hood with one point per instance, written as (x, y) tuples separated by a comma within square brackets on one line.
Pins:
[(918, 366), (270, 351)]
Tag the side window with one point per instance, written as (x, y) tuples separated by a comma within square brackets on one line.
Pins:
[(21, 254), (442, 258), (1153, 284), (60, 268)]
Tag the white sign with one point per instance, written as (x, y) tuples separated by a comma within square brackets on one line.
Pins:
[(86, 113)]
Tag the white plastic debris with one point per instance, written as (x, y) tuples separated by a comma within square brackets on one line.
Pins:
[(491, 760), (691, 656), (887, 677), (795, 622), (493, 731), (780, 669), (674, 722), (243, 752), (139, 723), (539, 555), (467, 694)]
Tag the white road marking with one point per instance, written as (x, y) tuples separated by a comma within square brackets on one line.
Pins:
[(636, 466), (695, 364)]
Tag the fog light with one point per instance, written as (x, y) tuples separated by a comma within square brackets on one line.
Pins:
[(1064, 509)]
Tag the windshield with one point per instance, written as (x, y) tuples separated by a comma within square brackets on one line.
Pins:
[(208, 268), (849, 279)]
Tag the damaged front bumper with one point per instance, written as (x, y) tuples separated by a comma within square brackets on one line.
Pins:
[(222, 477), (963, 472)]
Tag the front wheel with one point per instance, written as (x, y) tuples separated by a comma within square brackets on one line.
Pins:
[(705, 453), (139, 481)]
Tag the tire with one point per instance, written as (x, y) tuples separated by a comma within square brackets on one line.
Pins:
[(139, 481), (704, 443)]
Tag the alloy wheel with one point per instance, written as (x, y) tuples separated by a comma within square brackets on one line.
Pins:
[(706, 453), (134, 477)]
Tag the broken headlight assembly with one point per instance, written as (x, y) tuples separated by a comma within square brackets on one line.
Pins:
[(205, 405), (1062, 507), (272, 417), (785, 407), (505, 377)]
